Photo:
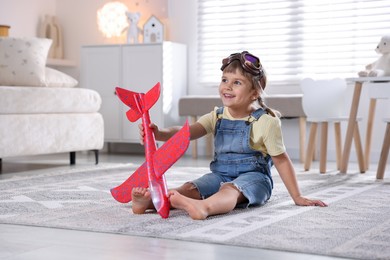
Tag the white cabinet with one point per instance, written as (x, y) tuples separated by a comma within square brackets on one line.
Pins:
[(136, 67)]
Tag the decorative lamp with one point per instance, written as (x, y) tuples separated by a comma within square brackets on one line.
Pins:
[(111, 19)]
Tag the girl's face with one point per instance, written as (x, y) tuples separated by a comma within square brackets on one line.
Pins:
[(237, 93)]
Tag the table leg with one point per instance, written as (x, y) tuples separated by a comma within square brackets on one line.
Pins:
[(359, 149), (194, 143), (370, 123), (384, 154), (324, 146), (302, 138), (310, 146), (209, 145), (339, 149), (351, 127)]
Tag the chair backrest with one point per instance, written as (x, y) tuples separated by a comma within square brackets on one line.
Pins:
[(378, 90), (323, 99)]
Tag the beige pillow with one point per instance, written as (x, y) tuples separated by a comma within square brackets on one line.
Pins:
[(55, 78), (23, 61)]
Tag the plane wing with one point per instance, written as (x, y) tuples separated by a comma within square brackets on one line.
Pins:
[(163, 159), (171, 151), (139, 178)]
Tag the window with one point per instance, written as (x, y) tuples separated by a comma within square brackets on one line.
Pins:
[(293, 38)]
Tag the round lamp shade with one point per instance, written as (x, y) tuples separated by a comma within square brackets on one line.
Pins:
[(111, 19)]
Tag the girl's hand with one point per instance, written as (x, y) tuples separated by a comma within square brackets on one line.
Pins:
[(142, 132), (302, 201)]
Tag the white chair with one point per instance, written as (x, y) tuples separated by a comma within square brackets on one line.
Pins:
[(324, 102), (375, 91), (384, 152)]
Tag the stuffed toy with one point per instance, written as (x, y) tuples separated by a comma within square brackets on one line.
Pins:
[(133, 30), (380, 67)]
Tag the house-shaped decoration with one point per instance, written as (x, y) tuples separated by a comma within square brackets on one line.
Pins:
[(153, 30)]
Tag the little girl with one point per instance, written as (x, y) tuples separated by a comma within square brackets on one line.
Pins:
[(248, 141)]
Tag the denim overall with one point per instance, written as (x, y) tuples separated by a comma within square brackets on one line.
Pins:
[(236, 162)]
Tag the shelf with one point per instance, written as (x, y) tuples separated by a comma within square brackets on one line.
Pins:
[(60, 63)]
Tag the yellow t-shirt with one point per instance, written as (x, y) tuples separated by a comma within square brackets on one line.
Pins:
[(266, 133)]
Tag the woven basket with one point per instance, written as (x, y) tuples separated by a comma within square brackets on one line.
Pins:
[(4, 30)]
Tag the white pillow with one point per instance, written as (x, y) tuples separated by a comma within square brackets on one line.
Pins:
[(23, 61), (55, 78)]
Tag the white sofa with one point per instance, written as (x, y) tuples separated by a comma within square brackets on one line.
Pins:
[(42, 110), (41, 120)]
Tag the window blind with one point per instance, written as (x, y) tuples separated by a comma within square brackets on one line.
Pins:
[(293, 38)]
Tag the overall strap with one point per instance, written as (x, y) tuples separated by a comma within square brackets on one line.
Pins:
[(219, 113), (255, 115)]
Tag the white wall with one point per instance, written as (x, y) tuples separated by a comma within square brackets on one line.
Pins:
[(78, 21), (23, 15)]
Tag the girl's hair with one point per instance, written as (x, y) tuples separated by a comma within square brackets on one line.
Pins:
[(258, 82)]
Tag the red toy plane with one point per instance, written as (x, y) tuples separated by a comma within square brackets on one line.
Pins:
[(158, 161)]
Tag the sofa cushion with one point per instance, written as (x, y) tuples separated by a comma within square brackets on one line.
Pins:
[(58, 79), (23, 61), (38, 100)]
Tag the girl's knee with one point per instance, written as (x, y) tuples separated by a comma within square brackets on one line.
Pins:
[(230, 186), (234, 191), (189, 189), (188, 186)]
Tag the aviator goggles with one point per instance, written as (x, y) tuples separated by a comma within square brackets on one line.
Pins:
[(250, 63)]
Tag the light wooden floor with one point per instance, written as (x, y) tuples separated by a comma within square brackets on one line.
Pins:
[(24, 242)]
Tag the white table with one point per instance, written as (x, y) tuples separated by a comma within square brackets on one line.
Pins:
[(352, 120)]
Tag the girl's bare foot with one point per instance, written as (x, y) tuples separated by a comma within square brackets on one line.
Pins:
[(141, 200), (195, 208)]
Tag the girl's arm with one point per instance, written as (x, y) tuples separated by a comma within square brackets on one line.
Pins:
[(286, 171), (196, 131)]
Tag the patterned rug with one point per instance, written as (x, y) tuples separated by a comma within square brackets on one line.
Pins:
[(355, 225)]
